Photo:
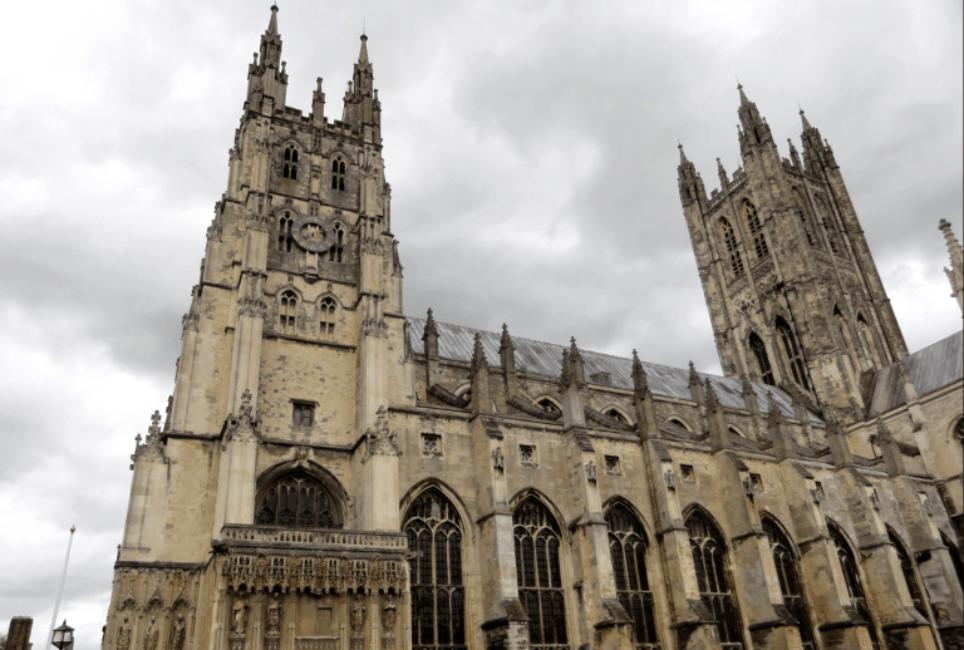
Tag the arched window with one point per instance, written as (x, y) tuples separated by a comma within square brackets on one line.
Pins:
[(326, 313), (289, 168), (909, 570), (337, 251), (285, 223), (438, 598), (616, 414), (627, 544), (537, 542), (338, 174), (288, 309), (709, 559), (297, 500), (792, 353), (729, 240), (788, 574), (762, 358), (550, 406), (826, 220), (756, 231), (851, 576)]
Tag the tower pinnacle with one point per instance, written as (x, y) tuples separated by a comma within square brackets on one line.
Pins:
[(955, 274)]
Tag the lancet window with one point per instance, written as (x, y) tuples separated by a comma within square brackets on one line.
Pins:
[(285, 239), (297, 500), (617, 415), (709, 559), (851, 576), (326, 312), (792, 353), (762, 359), (338, 174), (289, 166), (537, 541), (756, 231), (337, 251), (788, 574), (732, 249), (288, 309), (434, 533), (627, 545)]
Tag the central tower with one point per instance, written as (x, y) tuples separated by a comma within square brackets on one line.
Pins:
[(793, 292)]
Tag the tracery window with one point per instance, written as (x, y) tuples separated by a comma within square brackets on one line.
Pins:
[(338, 174), (434, 533), (732, 249), (756, 231), (762, 358), (285, 240), (627, 544), (909, 571), (788, 575), (851, 575), (709, 559), (288, 309), (297, 500), (537, 541), (326, 312), (337, 251), (792, 353), (289, 167)]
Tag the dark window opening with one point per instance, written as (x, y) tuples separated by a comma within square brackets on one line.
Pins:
[(289, 168), (337, 251), (288, 310), (326, 310), (285, 239), (338, 175), (851, 575), (302, 414), (756, 231), (297, 500), (792, 353), (762, 359)]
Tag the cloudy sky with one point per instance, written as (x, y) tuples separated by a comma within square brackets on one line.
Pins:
[(532, 152)]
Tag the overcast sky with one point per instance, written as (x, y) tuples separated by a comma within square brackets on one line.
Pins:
[(531, 149)]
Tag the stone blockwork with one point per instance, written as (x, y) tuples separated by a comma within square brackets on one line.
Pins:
[(333, 474)]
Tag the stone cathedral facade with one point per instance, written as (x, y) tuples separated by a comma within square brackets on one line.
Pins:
[(333, 474)]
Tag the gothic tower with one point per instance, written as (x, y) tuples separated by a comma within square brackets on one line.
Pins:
[(278, 410), (794, 295)]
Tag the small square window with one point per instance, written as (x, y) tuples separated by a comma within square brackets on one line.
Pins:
[(612, 465), (431, 444), (302, 414), (687, 473), (527, 455), (756, 481)]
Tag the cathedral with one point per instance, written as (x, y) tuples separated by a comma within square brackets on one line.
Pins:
[(336, 474)]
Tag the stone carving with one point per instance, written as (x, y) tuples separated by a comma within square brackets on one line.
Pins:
[(389, 614), (381, 440), (151, 634), (272, 625), (316, 574), (357, 622), (151, 449), (591, 471), (178, 633), (498, 460), (239, 617), (244, 426), (124, 636)]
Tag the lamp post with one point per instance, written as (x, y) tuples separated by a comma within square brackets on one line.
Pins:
[(60, 592), (63, 636)]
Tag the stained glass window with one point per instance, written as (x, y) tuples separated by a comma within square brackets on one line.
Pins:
[(851, 575), (709, 559), (788, 574), (537, 541), (627, 544)]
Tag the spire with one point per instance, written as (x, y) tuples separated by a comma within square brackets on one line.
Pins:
[(683, 160), (794, 154), (318, 102), (721, 172), (955, 274), (743, 99), (431, 329), (273, 22), (505, 342), (690, 183), (804, 120), (363, 50), (816, 150), (267, 79), (362, 109)]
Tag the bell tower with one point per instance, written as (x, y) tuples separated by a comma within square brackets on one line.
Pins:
[(794, 295)]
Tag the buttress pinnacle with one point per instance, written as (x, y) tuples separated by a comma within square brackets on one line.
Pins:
[(273, 22)]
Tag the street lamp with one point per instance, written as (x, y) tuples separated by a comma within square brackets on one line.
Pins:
[(63, 636)]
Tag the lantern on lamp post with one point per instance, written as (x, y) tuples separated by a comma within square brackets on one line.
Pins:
[(63, 636)]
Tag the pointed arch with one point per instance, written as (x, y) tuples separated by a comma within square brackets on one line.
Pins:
[(549, 403), (850, 569), (289, 162), (285, 219), (786, 559), (679, 422), (434, 529), (806, 215), (759, 350), (866, 335), (337, 251), (713, 576), (327, 308), (793, 354), (299, 494), (538, 538), (731, 246), (955, 557), (628, 544), (908, 569), (288, 301), (615, 412), (338, 172)]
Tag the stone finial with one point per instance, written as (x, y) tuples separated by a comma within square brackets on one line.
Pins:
[(640, 381), (155, 428), (712, 399), (478, 354), (577, 370), (955, 274), (694, 378), (431, 329), (505, 342), (721, 172)]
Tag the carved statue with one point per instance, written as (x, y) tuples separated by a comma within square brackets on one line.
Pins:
[(498, 460), (178, 634), (151, 635), (273, 623), (239, 617), (591, 471), (357, 616), (388, 615), (124, 637)]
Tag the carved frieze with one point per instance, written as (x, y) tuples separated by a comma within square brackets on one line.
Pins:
[(248, 572)]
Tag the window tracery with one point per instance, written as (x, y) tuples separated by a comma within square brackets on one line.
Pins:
[(537, 541), (297, 499), (788, 575), (732, 249), (549, 405), (285, 237), (288, 310), (792, 353), (289, 167), (627, 545), (762, 359), (434, 533), (337, 251), (338, 174), (326, 312), (909, 571), (756, 231), (709, 559)]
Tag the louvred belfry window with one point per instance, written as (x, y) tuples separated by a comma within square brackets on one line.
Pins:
[(709, 559), (627, 545), (338, 175), (438, 598), (297, 500), (732, 249), (851, 576), (785, 561), (537, 541)]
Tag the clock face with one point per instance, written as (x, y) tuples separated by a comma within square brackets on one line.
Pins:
[(314, 234)]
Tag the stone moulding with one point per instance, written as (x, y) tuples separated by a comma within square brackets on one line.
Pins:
[(250, 572), (242, 536)]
